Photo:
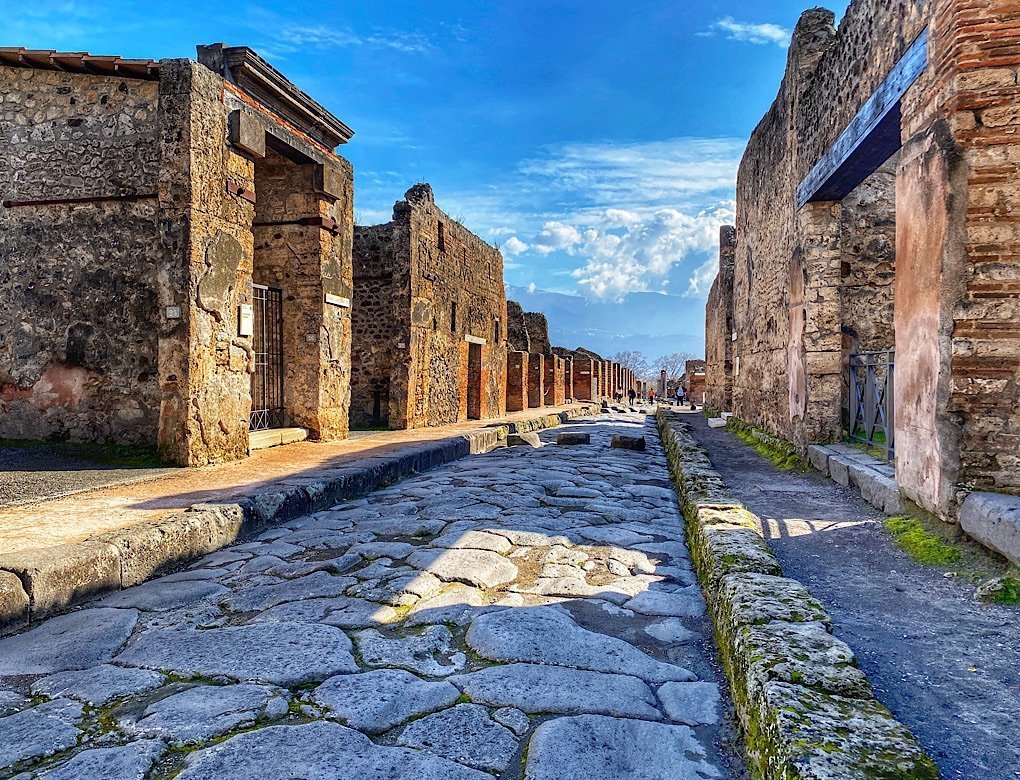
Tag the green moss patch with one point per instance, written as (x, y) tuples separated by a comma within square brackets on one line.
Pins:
[(921, 544), (779, 451)]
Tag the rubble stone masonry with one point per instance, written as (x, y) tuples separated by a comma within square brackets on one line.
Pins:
[(719, 328), (446, 302)]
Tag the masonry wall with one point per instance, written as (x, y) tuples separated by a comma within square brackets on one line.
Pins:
[(380, 315), (538, 332), (516, 381), (584, 379), (517, 328), (554, 389), (455, 292), (536, 380), (79, 299), (719, 328)]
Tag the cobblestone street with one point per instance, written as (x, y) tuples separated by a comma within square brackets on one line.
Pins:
[(528, 613)]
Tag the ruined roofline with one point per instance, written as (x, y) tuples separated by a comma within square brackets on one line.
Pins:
[(242, 66), (79, 62)]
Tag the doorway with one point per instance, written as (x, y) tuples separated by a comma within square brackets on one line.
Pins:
[(474, 382), (267, 343)]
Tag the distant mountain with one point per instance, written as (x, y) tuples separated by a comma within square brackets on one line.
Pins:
[(652, 323)]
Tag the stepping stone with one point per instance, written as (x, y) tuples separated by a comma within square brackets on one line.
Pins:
[(598, 748), (78, 640), (263, 597), (473, 540), (686, 602), (128, 762), (464, 734), (198, 714), (317, 751), (620, 442), (98, 685), (535, 689), (157, 596), (281, 653), (571, 439), (548, 635), (523, 440), (481, 568), (693, 703), (33, 734), (430, 653), (377, 701)]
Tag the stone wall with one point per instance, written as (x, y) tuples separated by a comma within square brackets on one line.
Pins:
[(517, 328), (554, 390), (584, 379), (536, 380), (719, 328), (79, 289), (538, 332), (448, 288), (516, 381)]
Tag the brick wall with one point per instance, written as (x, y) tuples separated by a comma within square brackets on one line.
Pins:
[(516, 381), (536, 380), (553, 389)]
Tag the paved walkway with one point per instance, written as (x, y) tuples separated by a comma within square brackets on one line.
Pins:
[(947, 666), (527, 613), (85, 504)]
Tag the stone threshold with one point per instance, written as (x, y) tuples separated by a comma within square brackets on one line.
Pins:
[(805, 708), (35, 584), (274, 437)]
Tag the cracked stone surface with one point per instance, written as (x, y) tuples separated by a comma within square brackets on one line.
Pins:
[(529, 599), (465, 734)]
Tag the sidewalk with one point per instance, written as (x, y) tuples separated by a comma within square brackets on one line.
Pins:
[(77, 517)]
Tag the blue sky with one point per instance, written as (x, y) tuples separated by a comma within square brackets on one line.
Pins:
[(596, 142)]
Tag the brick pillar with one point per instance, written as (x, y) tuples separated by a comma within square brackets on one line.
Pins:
[(568, 378), (516, 381), (553, 387), (584, 379), (536, 381)]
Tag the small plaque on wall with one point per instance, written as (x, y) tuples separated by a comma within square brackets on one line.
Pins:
[(245, 320), (474, 340), (336, 300)]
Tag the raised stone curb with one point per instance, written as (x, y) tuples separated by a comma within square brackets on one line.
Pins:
[(994, 520), (54, 578), (876, 481), (806, 710)]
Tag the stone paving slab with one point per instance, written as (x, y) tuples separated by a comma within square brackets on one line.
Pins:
[(402, 634)]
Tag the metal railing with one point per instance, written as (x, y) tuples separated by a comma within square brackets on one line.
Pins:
[(870, 415)]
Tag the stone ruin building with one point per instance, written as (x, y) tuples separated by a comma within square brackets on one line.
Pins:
[(695, 380), (871, 284), (430, 318), (176, 239)]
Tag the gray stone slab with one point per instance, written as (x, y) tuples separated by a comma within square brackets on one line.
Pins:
[(513, 719), (686, 602), (481, 568), (994, 520), (839, 468), (620, 442), (262, 597), (205, 711), (377, 701), (281, 653), (572, 439), (127, 762), (393, 550), (608, 534), (670, 631), (11, 702), (465, 734), (317, 751), (78, 640), (535, 689), (598, 748), (13, 602), (159, 595), (33, 734), (429, 653), (548, 635), (98, 685), (475, 540), (877, 489), (818, 456), (403, 526), (693, 703), (57, 577), (523, 440)]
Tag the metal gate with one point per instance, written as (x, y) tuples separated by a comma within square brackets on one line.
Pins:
[(267, 381), (871, 400)]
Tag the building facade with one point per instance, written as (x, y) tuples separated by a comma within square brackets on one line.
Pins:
[(430, 319), (176, 239)]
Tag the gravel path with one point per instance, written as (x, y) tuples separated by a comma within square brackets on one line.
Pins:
[(947, 666), (29, 475), (497, 617)]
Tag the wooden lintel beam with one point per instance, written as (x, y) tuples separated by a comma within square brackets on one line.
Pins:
[(872, 136)]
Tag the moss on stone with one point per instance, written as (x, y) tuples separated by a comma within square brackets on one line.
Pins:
[(921, 544)]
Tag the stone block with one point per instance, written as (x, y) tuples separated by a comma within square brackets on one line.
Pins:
[(523, 440), (245, 131), (13, 602), (573, 438), (994, 520), (636, 443), (57, 577), (877, 489), (750, 599), (839, 469), (818, 456)]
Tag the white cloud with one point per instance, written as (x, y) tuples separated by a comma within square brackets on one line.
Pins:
[(514, 246), (761, 34), (554, 236), (291, 38)]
